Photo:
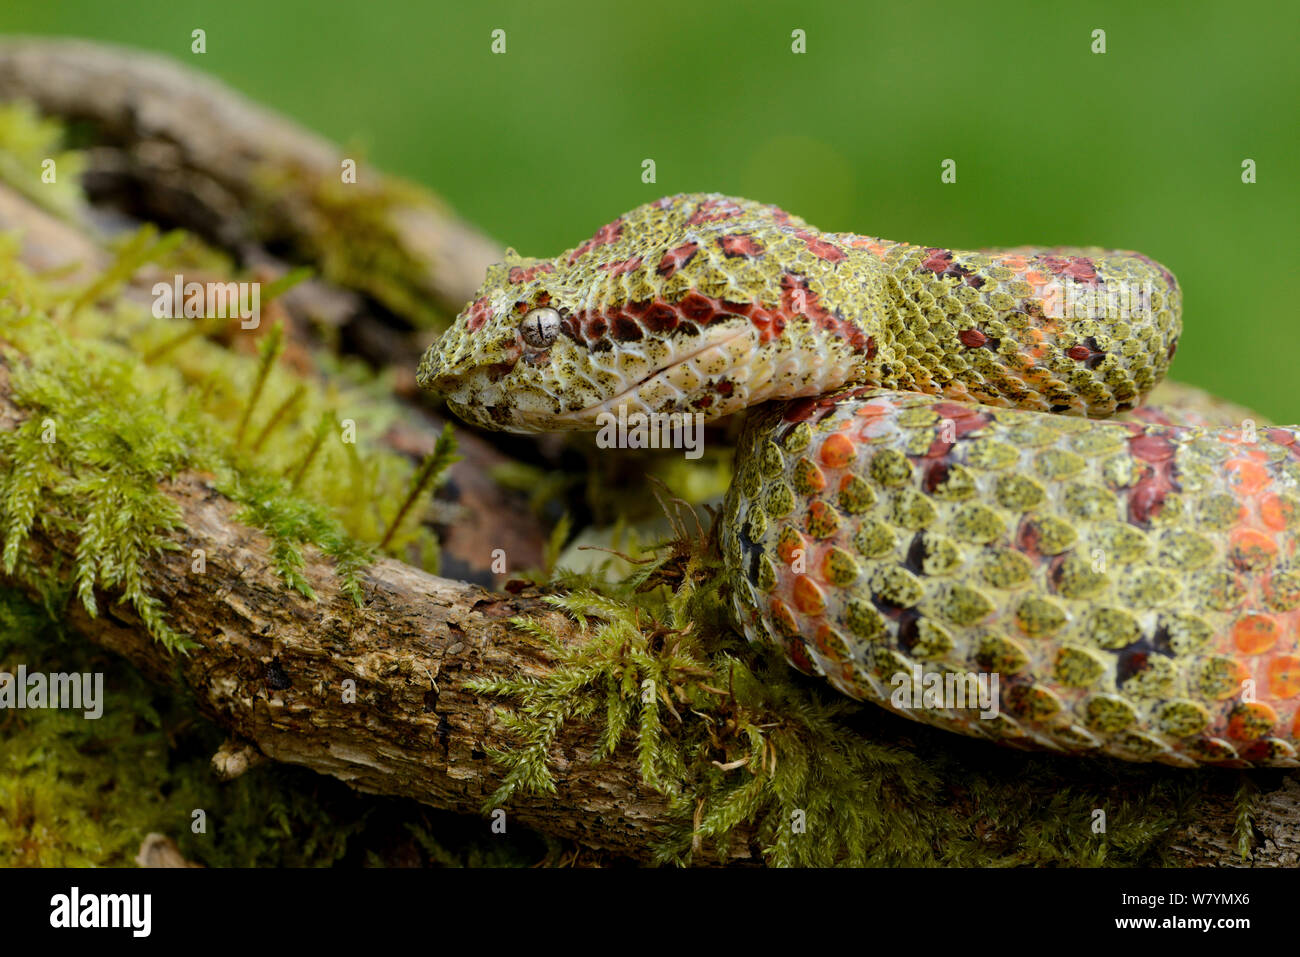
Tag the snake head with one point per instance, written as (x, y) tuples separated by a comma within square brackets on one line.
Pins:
[(654, 313)]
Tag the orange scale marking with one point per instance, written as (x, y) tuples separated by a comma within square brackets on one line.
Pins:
[(1284, 676), (1251, 547), (1274, 512), (783, 617), (1240, 725), (1247, 476), (785, 548), (828, 645), (1255, 634), (838, 451), (873, 410), (808, 596)]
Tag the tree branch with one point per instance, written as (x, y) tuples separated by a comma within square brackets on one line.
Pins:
[(273, 667), (197, 154)]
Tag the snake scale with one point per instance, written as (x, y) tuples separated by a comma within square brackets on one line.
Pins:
[(943, 490)]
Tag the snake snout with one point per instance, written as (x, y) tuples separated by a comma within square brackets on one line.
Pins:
[(445, 365)]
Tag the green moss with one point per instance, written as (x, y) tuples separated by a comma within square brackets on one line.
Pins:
[(113, 401), (738, 742), (352, 238), (116, 401), (28, 145), (77, 793), (81, 467), (87, 462)]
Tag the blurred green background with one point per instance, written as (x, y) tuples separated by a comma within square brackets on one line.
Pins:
[(1140, 147)]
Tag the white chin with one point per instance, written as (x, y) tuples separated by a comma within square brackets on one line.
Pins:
[(711, 380)]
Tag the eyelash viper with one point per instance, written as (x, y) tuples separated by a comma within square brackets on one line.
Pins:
[(942, 488)]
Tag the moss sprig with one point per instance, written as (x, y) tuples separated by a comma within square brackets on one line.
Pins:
[(743, 748)]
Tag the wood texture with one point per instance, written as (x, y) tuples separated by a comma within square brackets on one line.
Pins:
[(273, 668)]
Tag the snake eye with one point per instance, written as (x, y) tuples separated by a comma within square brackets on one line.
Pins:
[(539, 327)]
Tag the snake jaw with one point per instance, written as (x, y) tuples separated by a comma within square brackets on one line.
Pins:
[(579, 388), (688, 384), (726, 368)]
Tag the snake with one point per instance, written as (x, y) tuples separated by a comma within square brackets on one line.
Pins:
[(946, 470)]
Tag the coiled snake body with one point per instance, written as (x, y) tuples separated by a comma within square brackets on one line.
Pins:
[(939, 496)]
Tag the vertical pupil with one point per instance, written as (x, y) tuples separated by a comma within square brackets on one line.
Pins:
[(535, 330)]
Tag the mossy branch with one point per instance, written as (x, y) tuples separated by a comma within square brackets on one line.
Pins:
[(635, 720)]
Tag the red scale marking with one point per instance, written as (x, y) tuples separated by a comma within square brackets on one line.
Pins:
[(713, 211), (479, 313), (804, 408), (939, 262), (526, 274), (937, 473), (676, 258), (1079, 268), (799, 410), (625, 329), (739, 244), (1028, 535), (697, 308), (609, 233), (820, 247), (634, 319), (619, 268), (797, 298), (1147, 497), (660, 317), (936, 461)]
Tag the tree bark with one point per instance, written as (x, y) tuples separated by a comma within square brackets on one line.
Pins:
[(475, 513), (201, 151), (272, 667)]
